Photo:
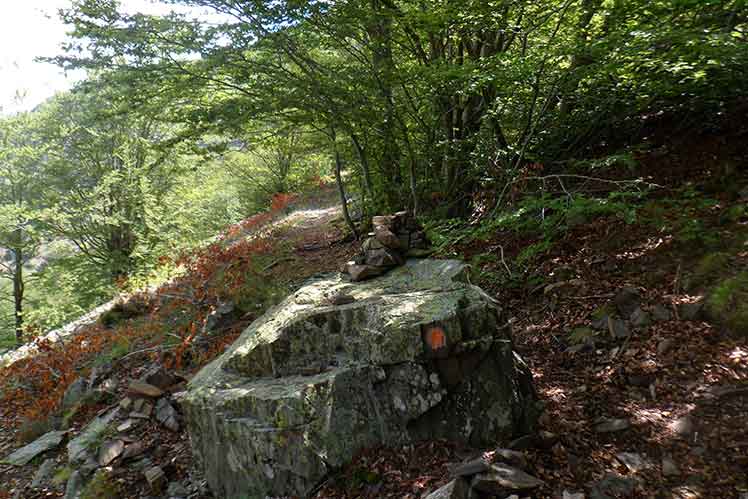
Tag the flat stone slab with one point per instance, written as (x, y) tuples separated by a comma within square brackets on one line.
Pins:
[(502, 479), (25, 454), (456, 489), (418, 353), (80, 447)]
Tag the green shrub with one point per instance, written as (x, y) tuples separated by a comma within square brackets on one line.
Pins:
[(709, 268), (101, 487)]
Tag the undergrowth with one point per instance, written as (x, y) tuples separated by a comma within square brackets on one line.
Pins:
[(506, 244), (539, 221), (170, 323)]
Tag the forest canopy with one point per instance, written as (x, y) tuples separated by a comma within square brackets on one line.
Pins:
[(187, 123)]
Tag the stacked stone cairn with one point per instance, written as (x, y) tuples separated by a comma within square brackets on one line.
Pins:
[(394, 239)]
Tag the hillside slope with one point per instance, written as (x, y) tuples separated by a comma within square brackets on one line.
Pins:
[(633, 329)]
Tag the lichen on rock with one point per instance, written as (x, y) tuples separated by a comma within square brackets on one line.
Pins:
[(417, 353)]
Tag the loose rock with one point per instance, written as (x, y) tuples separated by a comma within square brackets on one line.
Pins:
[(640, 318), (156, 478), (660, 313), (502, 478), (472, 467), (690, 311), (456, 489), (627, 301), (394, 238), (127, 425), (147, 409), (363, 272), (137, 406), (525, 442), (109, 451), (618, 328), (159, 377), (25, 454), (145, 389), (511, 457), (133, 450), (167, 415), (74, 485), (384, 221), (384, 258), (387, 238), (43, 473), (612, 425), (633, 461), (669, 467), (78, 447)]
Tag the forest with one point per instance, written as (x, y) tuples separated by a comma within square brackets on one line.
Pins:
[(450, 109), (568, 150)]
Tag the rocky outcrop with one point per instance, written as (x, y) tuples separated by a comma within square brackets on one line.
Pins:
[(337, 367)]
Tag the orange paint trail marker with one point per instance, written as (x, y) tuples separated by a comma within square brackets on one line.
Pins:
[(436, 339)]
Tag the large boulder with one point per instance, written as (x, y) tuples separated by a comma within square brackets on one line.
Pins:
[(419, 353)]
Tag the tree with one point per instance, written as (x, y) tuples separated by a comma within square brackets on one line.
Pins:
[(437, 97), (21, 201), (106, 176)]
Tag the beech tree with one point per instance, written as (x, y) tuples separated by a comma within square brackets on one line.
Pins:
[(21, 202), (105, 175)]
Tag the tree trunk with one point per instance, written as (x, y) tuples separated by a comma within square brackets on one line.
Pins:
[(18, 291), (380, 32), (364, 160), (341, 188)]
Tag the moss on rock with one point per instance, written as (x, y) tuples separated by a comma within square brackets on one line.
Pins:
[(417, 353), (101, 486), (581, 335), (727, 304)]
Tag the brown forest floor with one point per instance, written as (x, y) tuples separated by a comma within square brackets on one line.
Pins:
[(694, 378)]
